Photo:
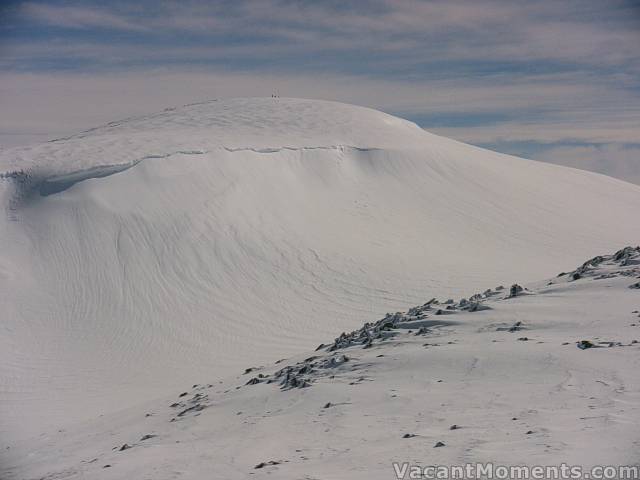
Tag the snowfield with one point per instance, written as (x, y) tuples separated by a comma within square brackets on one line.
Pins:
[(544, 375), (152, 254)]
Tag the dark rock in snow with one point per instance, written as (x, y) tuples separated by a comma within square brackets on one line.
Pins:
[(196, 408), (147, 437), (584, 344), (515, 290), (626, 254), (439, 444), (516, 327)]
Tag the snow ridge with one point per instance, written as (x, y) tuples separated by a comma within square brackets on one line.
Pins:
[(30, 181), (624, 263)]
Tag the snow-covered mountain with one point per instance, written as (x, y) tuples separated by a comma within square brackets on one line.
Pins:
[(152, 253)]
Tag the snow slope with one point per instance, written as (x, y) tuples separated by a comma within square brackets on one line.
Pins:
[(151, 253), (493, 379)]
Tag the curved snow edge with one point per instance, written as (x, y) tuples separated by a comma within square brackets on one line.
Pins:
[(30, 181)]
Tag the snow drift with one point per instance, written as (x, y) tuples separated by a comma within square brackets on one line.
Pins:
[(157, 251)]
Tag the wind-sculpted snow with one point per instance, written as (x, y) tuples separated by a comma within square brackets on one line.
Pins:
[(540, 374), (163, 249), (254, 124), (43, 182)]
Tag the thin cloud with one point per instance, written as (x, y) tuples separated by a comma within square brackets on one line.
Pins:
[(77, 17), (620, 161), (437, 30)]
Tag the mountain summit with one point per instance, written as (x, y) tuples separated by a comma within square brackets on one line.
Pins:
[(148, 253)]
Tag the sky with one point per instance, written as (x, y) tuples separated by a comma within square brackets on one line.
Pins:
[(552, 80)]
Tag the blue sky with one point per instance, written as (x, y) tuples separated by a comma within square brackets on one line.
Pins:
[(551, 80)]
